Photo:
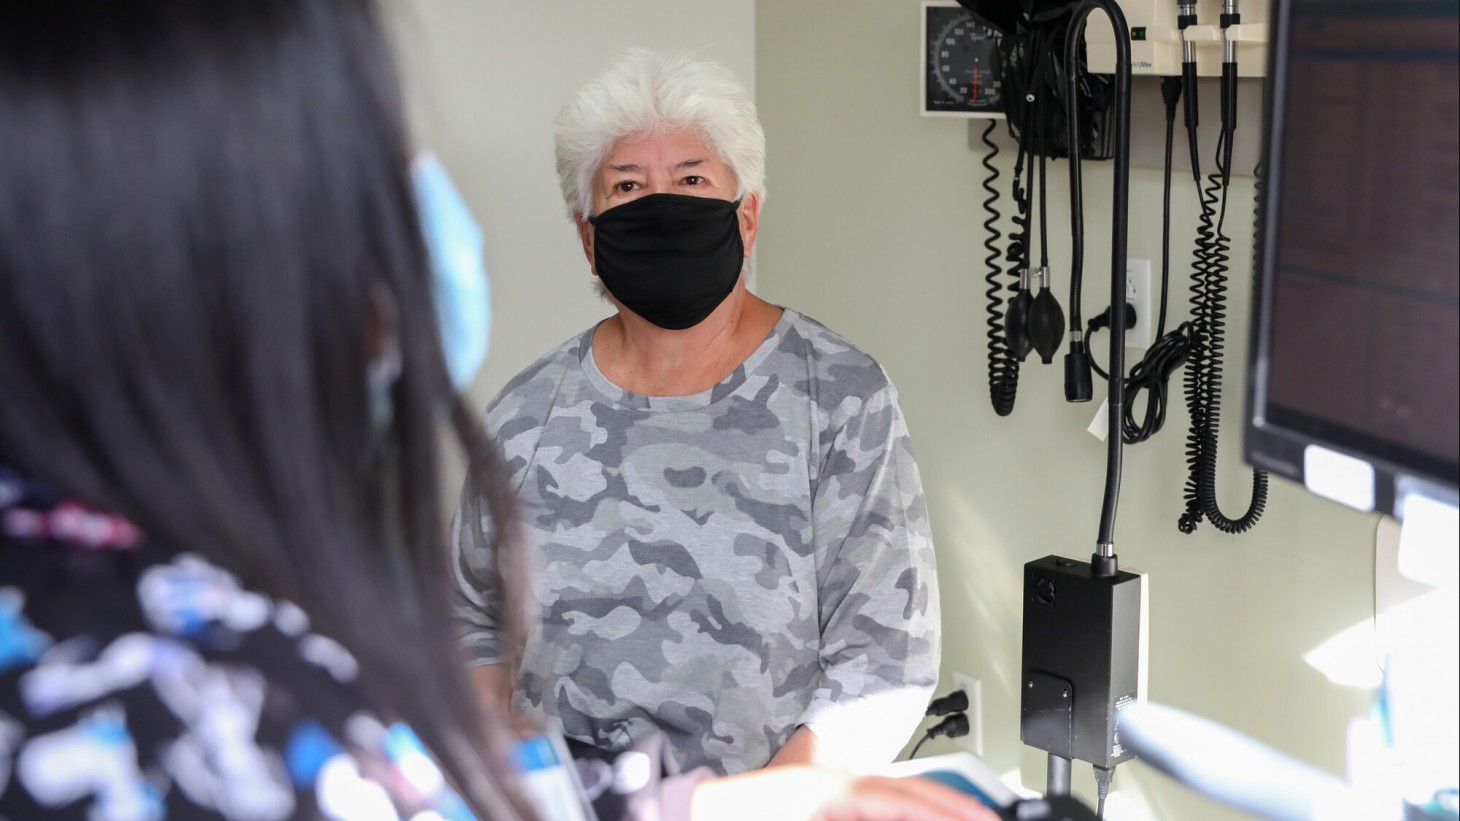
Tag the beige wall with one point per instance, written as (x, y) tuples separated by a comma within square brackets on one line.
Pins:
[(872, 225)]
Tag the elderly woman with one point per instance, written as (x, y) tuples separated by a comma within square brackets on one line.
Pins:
[(727, 527)]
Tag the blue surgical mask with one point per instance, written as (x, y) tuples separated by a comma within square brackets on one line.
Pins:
[(458, 273)]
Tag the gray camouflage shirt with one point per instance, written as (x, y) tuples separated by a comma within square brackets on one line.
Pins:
[(721, 567)]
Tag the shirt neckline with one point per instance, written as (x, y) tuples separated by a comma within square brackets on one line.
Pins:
[(694, 401)]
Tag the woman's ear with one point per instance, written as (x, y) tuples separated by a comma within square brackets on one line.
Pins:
[(749, 215), (585, 234)]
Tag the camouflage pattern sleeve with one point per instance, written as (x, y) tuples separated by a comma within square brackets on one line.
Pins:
[(478, 615), (513, 424), (878, 589)]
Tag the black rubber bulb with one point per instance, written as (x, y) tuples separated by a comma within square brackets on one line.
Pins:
[(1016, 325), (1046, 325)]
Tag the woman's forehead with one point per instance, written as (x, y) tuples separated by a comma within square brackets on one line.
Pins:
[(661, 148)]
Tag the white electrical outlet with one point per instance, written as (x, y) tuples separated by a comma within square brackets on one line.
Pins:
[(973, 742), (1138, 293)]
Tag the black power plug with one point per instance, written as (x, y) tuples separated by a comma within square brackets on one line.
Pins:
[(954, 726), (954, 702), (1103, 320)]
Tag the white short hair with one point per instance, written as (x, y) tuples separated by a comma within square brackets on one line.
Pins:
[(642, 93)]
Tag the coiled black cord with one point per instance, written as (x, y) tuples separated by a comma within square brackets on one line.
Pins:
[(1203, 379), (1003, 367), (1152, 375)]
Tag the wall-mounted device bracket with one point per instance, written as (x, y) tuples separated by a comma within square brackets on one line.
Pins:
[(1156, 38)]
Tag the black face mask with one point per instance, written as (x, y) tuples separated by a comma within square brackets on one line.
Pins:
[(670, 258)]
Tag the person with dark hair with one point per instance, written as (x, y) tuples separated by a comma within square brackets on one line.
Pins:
[(223, 574), (220, 389)]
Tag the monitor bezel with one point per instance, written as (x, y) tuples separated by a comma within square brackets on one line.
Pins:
[(1279, 445)]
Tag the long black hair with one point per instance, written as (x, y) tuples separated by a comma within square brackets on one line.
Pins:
[(207, 234)]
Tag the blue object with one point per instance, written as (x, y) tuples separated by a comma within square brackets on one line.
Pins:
[(536, 753), (458, 272), (401, 743), (962, 784), (309, 747), (20, 642)]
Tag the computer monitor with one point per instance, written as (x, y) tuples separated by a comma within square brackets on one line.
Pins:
[(1354, 383)]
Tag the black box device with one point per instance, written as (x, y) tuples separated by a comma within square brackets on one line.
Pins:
[(1084, 658)]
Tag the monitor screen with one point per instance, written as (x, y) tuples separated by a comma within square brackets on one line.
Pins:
[(1355, 355)]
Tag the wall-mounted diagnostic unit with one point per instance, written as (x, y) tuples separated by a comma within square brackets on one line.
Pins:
[(1162, 32), (960, 64)]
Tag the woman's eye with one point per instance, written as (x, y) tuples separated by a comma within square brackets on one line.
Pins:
[(694, 180), (626, 186)]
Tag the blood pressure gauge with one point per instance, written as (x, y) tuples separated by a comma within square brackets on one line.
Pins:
[(961, 76)]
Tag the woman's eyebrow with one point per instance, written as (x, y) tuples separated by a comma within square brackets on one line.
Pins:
[(631, 167)]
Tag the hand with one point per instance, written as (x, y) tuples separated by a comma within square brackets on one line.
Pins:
[(796, 792)]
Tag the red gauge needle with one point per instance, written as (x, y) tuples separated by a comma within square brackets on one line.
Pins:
[(975, 84)]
